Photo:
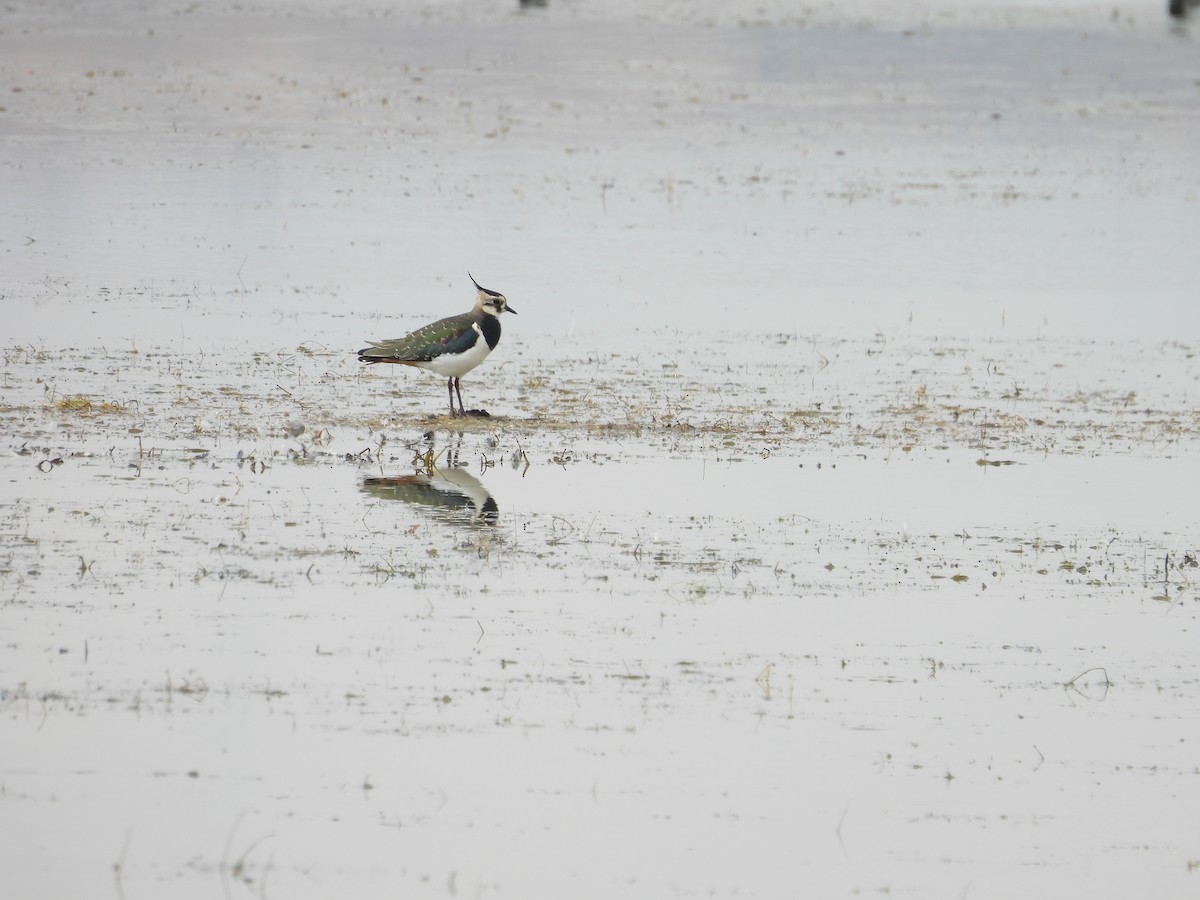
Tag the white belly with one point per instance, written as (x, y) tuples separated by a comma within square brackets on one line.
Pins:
[(454, 366)]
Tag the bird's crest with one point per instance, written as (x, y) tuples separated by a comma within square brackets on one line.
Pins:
[(482, 289)]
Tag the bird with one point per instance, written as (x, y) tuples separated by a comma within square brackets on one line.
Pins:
[(452, 346)]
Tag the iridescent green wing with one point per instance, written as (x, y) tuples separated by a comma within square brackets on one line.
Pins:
[(450, 335)]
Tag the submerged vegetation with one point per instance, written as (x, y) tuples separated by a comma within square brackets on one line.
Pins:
[(866, 540), (216, 445)]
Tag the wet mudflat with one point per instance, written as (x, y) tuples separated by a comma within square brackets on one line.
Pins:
[(955, 636), (833, 530)]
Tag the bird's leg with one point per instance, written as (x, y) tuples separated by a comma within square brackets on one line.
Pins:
[(450, 391), (458, 390)]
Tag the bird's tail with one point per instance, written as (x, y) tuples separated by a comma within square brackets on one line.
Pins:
[(377, 353)]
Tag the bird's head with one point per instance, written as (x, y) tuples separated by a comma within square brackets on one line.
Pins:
[(490, 302)]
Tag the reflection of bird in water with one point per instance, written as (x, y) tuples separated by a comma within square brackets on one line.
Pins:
[(451, 493), (452, 346)]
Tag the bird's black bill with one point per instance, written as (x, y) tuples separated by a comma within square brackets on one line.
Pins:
[(510, 309)]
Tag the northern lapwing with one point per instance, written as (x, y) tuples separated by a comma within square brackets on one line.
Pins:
[(452, 346)]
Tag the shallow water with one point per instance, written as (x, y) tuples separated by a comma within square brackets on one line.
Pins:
[(832, 529), (325, 173), (679, 632)]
